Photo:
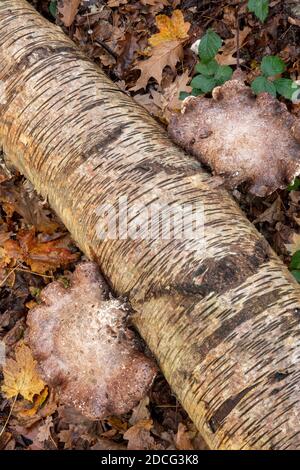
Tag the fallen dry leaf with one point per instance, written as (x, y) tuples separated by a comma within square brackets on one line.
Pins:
[(68, 10), (182, 439), (241, 138), (116, 3), (155, 2), (24, 200), (84, 349), (139, 437), (20, 375), (166, 48), (170, 29), (140, 412), (225, 56), (272, 214), (66, 436), (37, 403), (168, 53), (44, 432), (294, 245), (168, 100), (40, 256)]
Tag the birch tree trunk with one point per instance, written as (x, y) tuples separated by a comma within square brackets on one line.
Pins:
[(222, 319)]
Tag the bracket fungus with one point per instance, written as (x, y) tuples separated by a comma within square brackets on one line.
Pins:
[(84, 348), (240, 137)]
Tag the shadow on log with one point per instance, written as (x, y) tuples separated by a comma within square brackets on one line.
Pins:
[(220, 312)]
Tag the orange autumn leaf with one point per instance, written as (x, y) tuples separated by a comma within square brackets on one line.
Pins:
[(40, 256), (170, 29), (166, 50)]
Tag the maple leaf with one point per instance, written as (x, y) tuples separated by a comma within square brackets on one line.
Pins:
[(40, 256), (170, 29), (20, 375), (166, 48), (68, 10)]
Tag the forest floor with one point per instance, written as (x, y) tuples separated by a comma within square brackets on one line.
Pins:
[(35, 248)]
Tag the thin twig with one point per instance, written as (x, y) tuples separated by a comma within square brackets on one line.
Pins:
[(237, 38), (107, 48), (35, 273), (9, 415), (7, 276)]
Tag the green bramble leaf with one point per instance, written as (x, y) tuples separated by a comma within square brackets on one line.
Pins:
[(296, 275), (260, 8), (183, 95), (272, 65), (223, 73), (261, 85), (285, 87), (196, 92), (209, 45), (295, 186), (53, 8), (295, 261), (208, 69), (203, 83)]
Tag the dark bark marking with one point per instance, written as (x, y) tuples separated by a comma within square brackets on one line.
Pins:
[(278, 376), (156, 167), (229, 272), (252, 308), (43, 52), (108, 139), (226, 408)]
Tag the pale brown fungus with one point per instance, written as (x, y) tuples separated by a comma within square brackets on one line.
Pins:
[(240, 137)]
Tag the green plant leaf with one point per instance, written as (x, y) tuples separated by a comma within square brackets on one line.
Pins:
[(262, 84), (272, 65), (203, 83), (53, 8), (295, 186), (296, 275), (183, 95), (285, 87), (196, 92), (260, 8), (223, 73), (295, 261), (208, 69), (209, 45)]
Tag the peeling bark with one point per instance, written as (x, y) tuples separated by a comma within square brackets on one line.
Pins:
[(230, 350)]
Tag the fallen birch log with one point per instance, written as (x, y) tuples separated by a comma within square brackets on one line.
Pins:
[(220, 314)]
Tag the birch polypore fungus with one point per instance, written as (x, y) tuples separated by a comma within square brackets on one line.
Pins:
[(84, 348), (240, 137)]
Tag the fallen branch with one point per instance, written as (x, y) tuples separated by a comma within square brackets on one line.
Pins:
[(222, 318)]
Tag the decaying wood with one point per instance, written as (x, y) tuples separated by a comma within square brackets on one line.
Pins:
[(222, 321), (85, 349)]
